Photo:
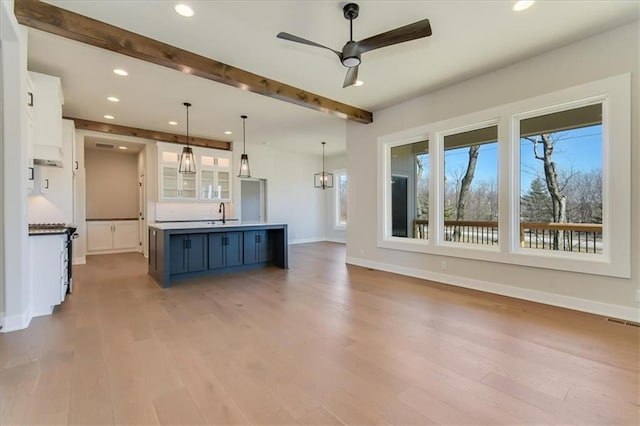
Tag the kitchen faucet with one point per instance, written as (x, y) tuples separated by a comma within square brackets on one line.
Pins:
[(223, 210)]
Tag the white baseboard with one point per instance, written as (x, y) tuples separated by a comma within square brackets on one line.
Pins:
[(113, 251), (569, 302), (336, 240), (80, 260), (306, 240), (16, 322)]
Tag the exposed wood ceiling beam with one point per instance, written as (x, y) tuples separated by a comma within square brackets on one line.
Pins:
[(52, 19), (115, 129)]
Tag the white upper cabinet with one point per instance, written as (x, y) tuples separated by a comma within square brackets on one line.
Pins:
[(215, 175), (47, 103), (211, 182)]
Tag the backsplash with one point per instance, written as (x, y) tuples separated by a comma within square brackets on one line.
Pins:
[(191, 211)]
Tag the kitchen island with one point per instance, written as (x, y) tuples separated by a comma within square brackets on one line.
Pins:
[(188, 249)]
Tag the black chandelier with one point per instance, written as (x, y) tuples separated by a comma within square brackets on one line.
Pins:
[(323, 179)]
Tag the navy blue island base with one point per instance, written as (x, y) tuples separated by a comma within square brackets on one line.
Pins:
[(184, 250)]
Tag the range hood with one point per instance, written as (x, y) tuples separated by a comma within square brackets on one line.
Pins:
[(47, 163)]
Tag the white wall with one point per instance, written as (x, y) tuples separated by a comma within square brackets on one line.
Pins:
[(333, 163), (112, 185), (608, 54), (291, 197), (16, 274)]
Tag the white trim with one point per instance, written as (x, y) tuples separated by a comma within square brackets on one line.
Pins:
[(80, 260), (336, 240), (114, 251), (616, 179), (306, 240), (562, 301), (16, 322)]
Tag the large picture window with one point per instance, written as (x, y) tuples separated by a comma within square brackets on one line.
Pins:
[(543, 182), (470, 212), (561, 180)]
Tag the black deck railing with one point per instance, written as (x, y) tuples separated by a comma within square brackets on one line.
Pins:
[(574, 237)]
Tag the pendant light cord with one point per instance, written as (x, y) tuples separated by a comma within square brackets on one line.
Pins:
[(187, 105), (323, 159), (244, 134)]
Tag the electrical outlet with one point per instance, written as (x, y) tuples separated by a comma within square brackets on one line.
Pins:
[(443, 265), (638, 296), (361, 252)]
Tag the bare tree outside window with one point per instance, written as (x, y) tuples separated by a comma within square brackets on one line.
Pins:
[(561, 177)]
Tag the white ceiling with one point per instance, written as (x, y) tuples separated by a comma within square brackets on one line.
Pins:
[(469, 38)]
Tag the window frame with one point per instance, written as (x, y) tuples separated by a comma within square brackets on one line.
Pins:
[(337, 225), (615, 95)]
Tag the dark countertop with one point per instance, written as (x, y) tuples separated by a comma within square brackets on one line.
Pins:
[(38, 232)]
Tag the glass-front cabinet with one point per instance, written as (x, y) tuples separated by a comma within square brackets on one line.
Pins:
[(211, 182), (174, 185), (215, 176)]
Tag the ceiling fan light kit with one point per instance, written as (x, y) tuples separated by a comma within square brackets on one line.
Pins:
[(350, 56)]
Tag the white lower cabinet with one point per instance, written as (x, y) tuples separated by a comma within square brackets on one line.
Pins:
[(49, 262), (112, 236)]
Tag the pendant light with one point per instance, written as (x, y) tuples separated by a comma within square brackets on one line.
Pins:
[(244, 159), (323, 179), (187, 164)]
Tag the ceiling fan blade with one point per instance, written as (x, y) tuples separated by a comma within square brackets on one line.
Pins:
[(352, 76), (409, 32), (296, 39)]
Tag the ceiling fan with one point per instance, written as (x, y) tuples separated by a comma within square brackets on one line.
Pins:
[(350, 54)]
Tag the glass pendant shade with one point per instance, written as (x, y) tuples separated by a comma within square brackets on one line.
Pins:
[(187, 163), (244, 172), (323, 179)]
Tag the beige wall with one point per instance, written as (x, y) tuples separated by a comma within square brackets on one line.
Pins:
[(605, 55), (112, 185)]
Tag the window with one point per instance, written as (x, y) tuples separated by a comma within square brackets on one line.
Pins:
[(470, 211), (410, 190), (340, 199), (544, 182), (561, 180)]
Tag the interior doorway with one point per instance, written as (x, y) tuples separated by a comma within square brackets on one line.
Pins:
[(252, 200)]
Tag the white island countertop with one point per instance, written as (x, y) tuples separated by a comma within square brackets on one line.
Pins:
[(210, 224)]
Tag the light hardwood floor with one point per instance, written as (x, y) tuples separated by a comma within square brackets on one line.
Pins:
[(320, 343)]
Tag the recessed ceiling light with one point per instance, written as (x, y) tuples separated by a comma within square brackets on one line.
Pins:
[(122, 147), (184, 10), (358, 83), (227, 132), (113, 99), (121, 72), (173, 123), (522, 5), (109, 117)]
